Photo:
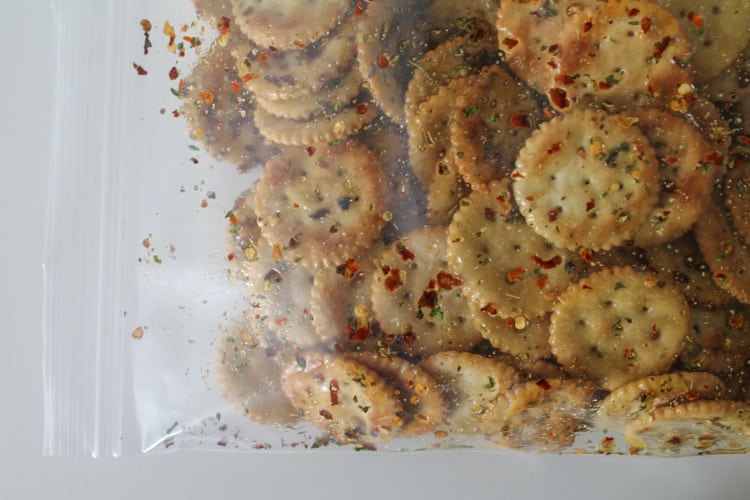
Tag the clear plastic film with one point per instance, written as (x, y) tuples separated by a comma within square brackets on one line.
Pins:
[(398, 226)]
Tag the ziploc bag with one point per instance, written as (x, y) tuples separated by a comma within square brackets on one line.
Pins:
[(399, 226)]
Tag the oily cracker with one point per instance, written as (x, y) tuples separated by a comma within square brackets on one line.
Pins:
[(419, 299), (737, 198), (509, 270), (342, 397), (280, 24), (718, 340), (696, 427), (420, 394), (541, 415), (471, 383), (321, 206), (618, 325), (592, 184), (493, 118)]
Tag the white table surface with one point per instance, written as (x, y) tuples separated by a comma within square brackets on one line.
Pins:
[(24, 139)]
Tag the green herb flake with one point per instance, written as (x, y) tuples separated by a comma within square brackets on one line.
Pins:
[(619, 286), (490, 383)]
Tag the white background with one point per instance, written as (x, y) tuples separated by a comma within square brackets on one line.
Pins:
[(27, 62)]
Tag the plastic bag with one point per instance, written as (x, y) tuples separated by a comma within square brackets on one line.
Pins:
[(194, 303)]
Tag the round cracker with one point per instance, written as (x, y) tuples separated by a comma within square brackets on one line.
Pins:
[(342, 397), (291, 74), (319, 129), (321, 206), (249, 377), (618, 325), (640, 397), (591, 64), (509, 270), (541, 415), (592, 184), (737, 199), (281, 25), (718, 340), (717, 31), (696, 427), (420, 394), (471, 383), (493, 118), (220, 117), (681, 263), (724, 250), (733, 83), (419, 298), (686, 181)]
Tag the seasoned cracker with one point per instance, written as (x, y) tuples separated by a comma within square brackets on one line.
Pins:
[(724, 250), (445, 14), (471, 383), (341, 307), (291, 74), (419, 393), (494, 116), (419, 299), (321, 206), (686, 180), (640, 397), (243, 234), (618, 325), (456, 57), (717, 31), (532, 369), (681, 263), (249, 376), (592, 65), (718, 340), (590, 184), (390, 40), (521, 336), (319, 129), (540, 415), (737, 199), (695, 427), (509, 270), (342, 397), (337, 94), (733, 83), (219, 112), (282, 24)]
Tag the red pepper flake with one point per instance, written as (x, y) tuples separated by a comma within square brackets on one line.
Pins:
[(586, 287), (326, 414), (520, 121), (204, 203), (383, 61), (553, 48), (360, 8), (146, 25), (176, 113), (553, 214), (248, 76), (233, 218), (262, 57), (348, 269), (544, 384), (404, 252), (692, 395), (510, 42), (590, 205), (223, 25), (393, 280), (736, 321), (235, 86), (359, 334), (489, 214), (362, 108), (509, 322), (696, 19), (555, 148), (207, 96), (552, 64), (489, 309), (743, 139), (604, 86), (194, 160), (333, 387), (655, 332), (514, 275), (661, 46), (633, 12), (541, 282), (299, 44), (714, 157), (547, 264), (310, 150), (429, 299), (646, 24), (230, 257), (408, 337), (173, 73), (565, 79), (559, 97), (146, 243), (586, 254), (140, 70), (447, 281), (517, 175), (587, 26), (674, 440)]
